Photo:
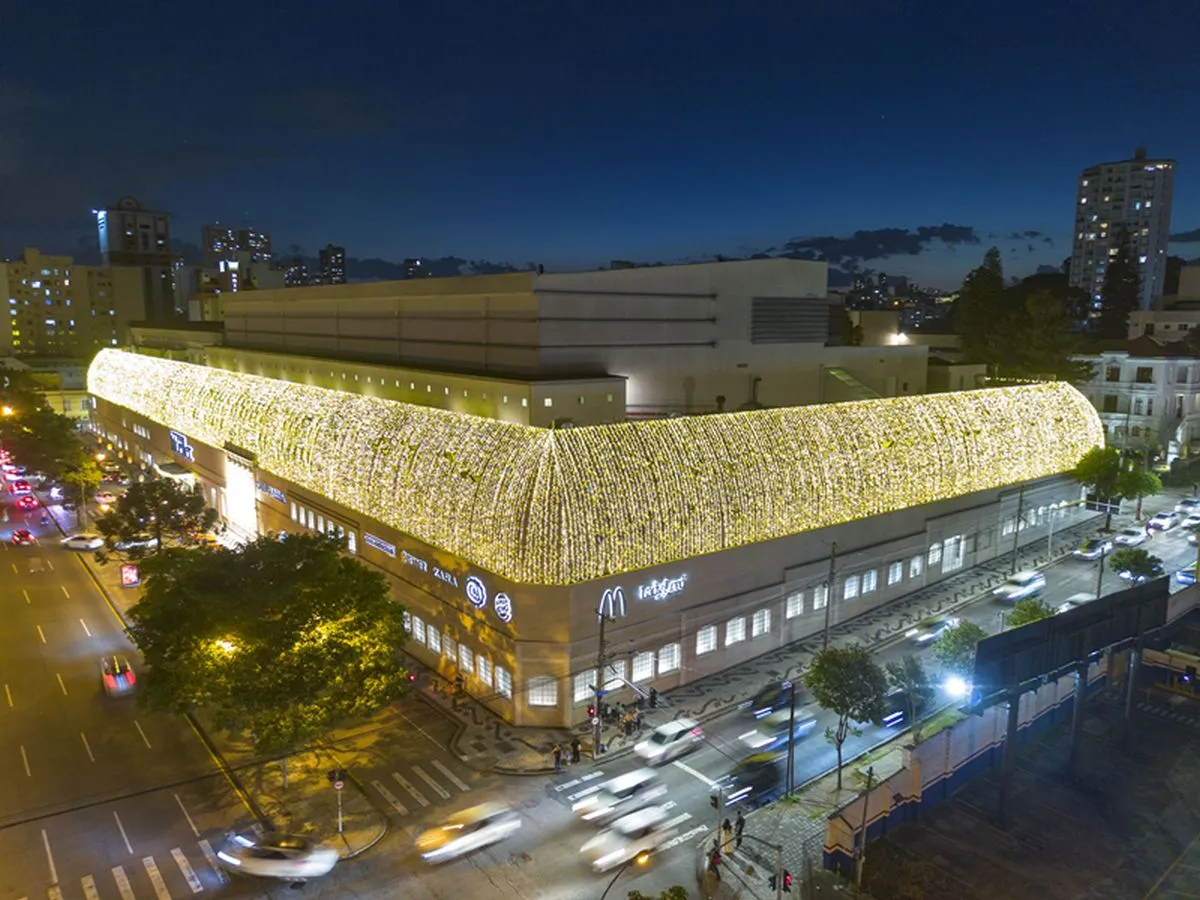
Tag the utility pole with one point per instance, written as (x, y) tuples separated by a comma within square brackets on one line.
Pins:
[(829, 592), (598, 687), (791, 754), (1017, 526), (862, 835)]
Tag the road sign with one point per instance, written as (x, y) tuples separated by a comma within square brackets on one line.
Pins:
[(338, 785), (596, 720)]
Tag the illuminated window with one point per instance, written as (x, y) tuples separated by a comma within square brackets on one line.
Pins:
[(760, 623), (503, 682), (293, 511), (525, 401), (668, 659), (953, 558), (547, 401), (435, 640), (311, 521), (446, 391), (449, 646), (429, 388), (870, 581), (706, 640), (895, 573), (794, 606), (583, 686), (465, 392), (614, 676), (820, 596), (412, 385), (850, 587), (466, 659), (579, 400), (542, 691), (642, 668), (418, 630), (321, 524), (608, 398), (935, 554), (483, 666), (504, 398), (735, 631)]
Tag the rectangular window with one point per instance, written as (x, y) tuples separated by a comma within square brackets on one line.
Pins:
[(760, 624), (668, 659), (870, 581), (735, 631), (503, 681), (850, 587), (435, 640), (895, 572), (583, 686), (706, 640), (293, 511), (1112, 373), (1009, 526), (643, 667), (614, 676), (418, 630), (466, 659), (485, 670), (916, 567), (449, 645), (955, 555), (542, 691), (1149, 407), (351, 542), (820, 596), (1144, 375), (794, 606), (1181, 375), (935, 554), (321, 524), (311, 520)]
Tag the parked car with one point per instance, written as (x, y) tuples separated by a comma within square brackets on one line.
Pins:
[(619, 796), (1093, 548), (467, 831), (1028, 583), (772, 731), (284, 856), (138, 541), (1074, 601), (630, 837), (83, 542), (929, 630), (1130, 537), (1188, 505), (669, 740), (20, 487), (1165, 520)]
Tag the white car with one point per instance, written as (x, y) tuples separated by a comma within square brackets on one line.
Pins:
[(668, 741), (1130, 537), (1191, 521), (287, 856), (145, 541), (106, 497), (83, 542), (466, 831), (1164, 521), (1188, 506), (1074, 601), (1093, 548), (634, 836), (1028, 583), (619, 796)]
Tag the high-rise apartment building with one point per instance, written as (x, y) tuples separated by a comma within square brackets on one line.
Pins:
[(333, 265), (60, 309), (1126, 200), (136, 237), (256, 243), (295, 273), (222, 243)]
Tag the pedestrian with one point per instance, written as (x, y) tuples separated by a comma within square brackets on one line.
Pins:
[(726, 834), (739, 826), (576, 747), (714, 860), (557, 752)]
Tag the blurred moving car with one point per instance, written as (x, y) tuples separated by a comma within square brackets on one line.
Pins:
[(772, 731), (669, 740), (896, 708), (1191, 521), (20, 487), (106, 497), (775, 695), (1028, 583), (1130, 537), (117, 675), (1186, 575), (1093, 548), (755, 780), (83, 542), (634, 836), (467, 831), (22, 536), (929, 630), (27, 502), (139, 541), (620, 796), (1074, 601), (1188, 505), (287, 856), (1164, 521)]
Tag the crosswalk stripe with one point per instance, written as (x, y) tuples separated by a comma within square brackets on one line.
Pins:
[(122, 881), (571, 798), (454, 779), (156, 879), (407, 785), (186, 868), (389, 797), (678, 820), (441, 791), (89, 887), (54, 893), (207, 850)]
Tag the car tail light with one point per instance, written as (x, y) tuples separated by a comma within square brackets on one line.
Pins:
[(130, 677), (110, 681), (696, 732)]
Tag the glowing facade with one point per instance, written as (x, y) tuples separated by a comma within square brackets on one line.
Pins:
[(564, 507)]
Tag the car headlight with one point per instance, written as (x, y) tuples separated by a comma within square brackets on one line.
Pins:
[(912, 632)]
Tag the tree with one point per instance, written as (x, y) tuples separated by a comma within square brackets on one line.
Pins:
[(675, 892), (163, 509), (283, 640), (1031, 609), (1100, 471), (1137, 483), (909, 675), (84, 476), (955, 647), (1120, 293), (980, 308), (1048, 341), (847, 682), (40, 438), (1140, 564)]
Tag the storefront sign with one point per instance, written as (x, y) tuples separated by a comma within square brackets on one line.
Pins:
[(415, 561), (449, 577), (130, 576), (662, 588), (274, 493), (180, 446), (477, 593), (612, 604), (380, 544)]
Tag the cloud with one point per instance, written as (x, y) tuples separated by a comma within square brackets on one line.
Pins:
[(1048, 240), (1030, 248), (879, 243), (1186, 237), (1024, 235)]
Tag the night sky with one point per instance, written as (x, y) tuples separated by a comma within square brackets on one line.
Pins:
[(572, 133)]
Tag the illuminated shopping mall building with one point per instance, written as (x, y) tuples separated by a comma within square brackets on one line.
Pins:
[(702, 540)]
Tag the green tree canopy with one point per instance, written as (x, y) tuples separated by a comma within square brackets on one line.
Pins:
[(955, 647), (675, 892), (908, 674), (1137, 483), (283, 640), (1030, 609), (980, 308), (1120, 292), (1100, 471), (162, 508), (1048, 340), (1139, 563), (847, 682), (41, 439)]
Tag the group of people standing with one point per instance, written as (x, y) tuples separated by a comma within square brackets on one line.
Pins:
[(572, 755)]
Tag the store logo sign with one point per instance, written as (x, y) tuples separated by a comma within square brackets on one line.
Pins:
[(180, 446), (662, 588), (474, 588), (612, 604), (379, 544), (271, 491)]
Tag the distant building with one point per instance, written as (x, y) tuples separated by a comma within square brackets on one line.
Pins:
[(1131, 200), (333, 265), (416, 268), (220, 242), (295, 273), (256, 243), (136, 237)]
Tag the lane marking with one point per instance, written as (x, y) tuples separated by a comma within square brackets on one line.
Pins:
[(60, 683), (86, 630), (574, 781), (124, 836), (25, 760), (186, 868), (677, 821), (145, 739), (89, 887), (438, 789), (26, 593), (207, 850), (684, 767), (586, 792), (54, 892), (50, 564), (15, 572), (122, 881), (685, 837), (87, 746), (408, 786), (8, 695), (64, 590), (389, 797), (41, 634), (156, 879), (454, 779), (49, 857), (191, 824)]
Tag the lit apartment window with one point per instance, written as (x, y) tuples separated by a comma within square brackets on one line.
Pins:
[(794, 606), (608, 398), (935, 554), (412, 385), (542, 691), (503, 682), (429, 388), (504, 398), (435, 640), (820, 596), (525, 401), (895, 573), (850, 587), (466, 659), (547, 401), (446, 391), (706, 640), (464, 392), (668, 659), (735, 631), (418, 631), (449, 646), (760, 624)]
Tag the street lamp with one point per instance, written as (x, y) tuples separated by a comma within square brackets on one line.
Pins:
[(6, 410), (641, 859)]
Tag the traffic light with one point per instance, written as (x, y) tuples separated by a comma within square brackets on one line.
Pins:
[(773, 881), (713, 801), (787, 881), (591, 710)]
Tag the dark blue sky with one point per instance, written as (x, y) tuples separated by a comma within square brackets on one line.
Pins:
[(572, 133)]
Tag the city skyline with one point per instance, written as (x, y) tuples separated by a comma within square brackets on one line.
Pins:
[(880, 140)]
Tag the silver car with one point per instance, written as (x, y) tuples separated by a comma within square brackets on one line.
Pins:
[(668, 741), (288, 857), (1130, 537), (467, 831), (620, 796), (1029, 583)]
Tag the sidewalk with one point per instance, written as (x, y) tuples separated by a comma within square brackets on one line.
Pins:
[(486, 742), (307, 803)]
